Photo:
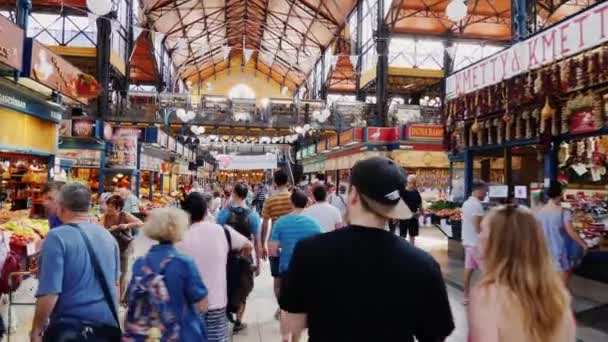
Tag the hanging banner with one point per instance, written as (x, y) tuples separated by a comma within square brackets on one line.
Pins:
[(122, 152), (581, 32), (11, 44), (235, 162), (81, 158), (83, 128), (53, 71)]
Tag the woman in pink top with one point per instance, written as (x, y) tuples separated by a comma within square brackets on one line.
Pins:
[(206, 243), (520, 296)]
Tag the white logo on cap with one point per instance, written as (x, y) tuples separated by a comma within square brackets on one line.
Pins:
[(393, 195)]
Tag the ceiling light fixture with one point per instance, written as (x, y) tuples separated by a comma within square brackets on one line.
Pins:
[(99, 7), (456, 10)]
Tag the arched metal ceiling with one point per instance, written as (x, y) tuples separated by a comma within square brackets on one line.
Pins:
[(486, 19), (288, 36)]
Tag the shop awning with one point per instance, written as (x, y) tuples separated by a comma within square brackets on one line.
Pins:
[(421, 159), (347, 162), (404, 80)]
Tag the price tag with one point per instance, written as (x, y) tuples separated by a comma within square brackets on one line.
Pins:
[(30, 248), (521, 191), (499, 191)]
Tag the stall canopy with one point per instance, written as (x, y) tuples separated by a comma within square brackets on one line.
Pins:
[(239, 162), (284, 38)]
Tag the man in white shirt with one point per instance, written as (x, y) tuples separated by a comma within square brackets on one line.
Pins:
[(338, 199), (472, 213), (328, 216)]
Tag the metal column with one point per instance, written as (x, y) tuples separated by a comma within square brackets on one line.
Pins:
[(509, 170), (358, 52), (382, 36), (468, 173), (323, 81), (24, 8), (104, 46), (523, 19)]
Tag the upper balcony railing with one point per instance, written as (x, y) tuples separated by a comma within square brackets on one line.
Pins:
[(221, 111)]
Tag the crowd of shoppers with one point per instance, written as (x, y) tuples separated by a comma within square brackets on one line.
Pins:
[(353, 282)]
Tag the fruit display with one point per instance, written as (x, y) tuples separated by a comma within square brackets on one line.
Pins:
[(158, 201), (33, 228), (589, 214), (8, 215)]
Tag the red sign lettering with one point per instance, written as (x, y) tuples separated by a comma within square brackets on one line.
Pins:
[(564, 38), (532, 48), (548, 43), (493, 61), (601, 12), (581, 33), (503, 59), (515, 66)]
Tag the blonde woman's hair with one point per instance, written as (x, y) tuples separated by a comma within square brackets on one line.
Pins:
[(166, 224), (516, 257)]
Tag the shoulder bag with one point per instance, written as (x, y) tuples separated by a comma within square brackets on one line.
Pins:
[(123, 237), (75, 330)]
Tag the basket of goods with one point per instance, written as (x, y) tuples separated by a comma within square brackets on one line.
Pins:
[(444, 210)]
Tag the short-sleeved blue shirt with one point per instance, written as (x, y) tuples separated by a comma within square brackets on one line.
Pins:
[(66, 270), (253, 218), (288, 230), (185, 288)]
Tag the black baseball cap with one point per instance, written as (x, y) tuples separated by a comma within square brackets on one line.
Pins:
[(380, 182)]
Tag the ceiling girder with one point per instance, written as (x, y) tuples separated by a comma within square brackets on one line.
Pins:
[(279, 38)]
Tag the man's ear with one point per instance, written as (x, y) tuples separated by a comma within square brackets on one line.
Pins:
[(353, 196)]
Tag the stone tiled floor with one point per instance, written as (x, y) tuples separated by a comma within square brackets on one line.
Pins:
[(262, 305)]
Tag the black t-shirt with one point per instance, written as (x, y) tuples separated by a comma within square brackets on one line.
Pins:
[(412, 199), (364, 284)]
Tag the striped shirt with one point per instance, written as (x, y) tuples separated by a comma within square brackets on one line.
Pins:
[(277, 205), (217, 325)]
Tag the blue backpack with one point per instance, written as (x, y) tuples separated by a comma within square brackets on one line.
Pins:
[(149, 316)]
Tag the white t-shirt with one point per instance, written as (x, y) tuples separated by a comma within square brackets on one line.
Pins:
[(338, 201), (216, 203), (206, 244), (325, 214), (470, 208)]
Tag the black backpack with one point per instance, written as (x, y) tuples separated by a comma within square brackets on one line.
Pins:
[(239, 220), (239, 277)]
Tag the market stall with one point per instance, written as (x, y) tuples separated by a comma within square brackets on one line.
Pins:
[(80, 152), (542, 119)]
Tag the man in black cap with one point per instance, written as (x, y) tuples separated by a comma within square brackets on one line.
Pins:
[(364, 283)]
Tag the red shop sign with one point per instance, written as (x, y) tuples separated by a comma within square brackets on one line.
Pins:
[(582, 121), (382, 134)]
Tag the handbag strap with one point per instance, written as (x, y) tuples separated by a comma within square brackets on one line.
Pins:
[(228, 238), (97, 267)]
